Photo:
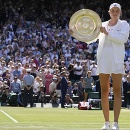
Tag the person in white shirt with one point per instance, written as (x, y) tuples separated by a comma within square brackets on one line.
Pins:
[(78, 70), (93, 69), (36, 85), (25, 60), (88, 62)]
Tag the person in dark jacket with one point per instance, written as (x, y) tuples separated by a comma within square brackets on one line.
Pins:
[(64, 87), (126, 91)]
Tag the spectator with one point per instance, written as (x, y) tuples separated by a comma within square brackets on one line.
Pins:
[(89, 82), (93, 69), (98, 87), (81, 85), (48, 80), (23, 41), (52, 90), (15, 86), (28, 81), (16, 72), (36, 86), (78, 70), (68, 100), (4, 94), (58, 85), (64, 87), (75, 89), (126, 92), (70, 89), (42, 94)]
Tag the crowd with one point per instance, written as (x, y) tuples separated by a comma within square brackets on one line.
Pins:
[(34, 35)]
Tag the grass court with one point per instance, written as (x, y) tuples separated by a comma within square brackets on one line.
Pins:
[(19, 118)]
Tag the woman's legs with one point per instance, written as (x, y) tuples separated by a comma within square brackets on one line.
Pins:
[(116, 84), (105, 86)]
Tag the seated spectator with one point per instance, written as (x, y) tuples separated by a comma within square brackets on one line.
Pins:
[(42, 94), (68, 100), (20, 100), (75, 89), (4, 94), (70, 89)]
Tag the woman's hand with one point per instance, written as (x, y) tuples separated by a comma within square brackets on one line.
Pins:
[(103, 30)]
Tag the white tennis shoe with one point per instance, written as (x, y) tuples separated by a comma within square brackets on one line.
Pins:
[(115, 126), (106, 126)]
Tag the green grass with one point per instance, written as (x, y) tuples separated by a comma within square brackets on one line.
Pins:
[(57, 119)]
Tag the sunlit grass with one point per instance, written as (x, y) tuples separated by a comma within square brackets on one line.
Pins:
[(57, 119)]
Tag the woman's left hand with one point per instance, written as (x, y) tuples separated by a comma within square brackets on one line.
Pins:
[(103, 30)]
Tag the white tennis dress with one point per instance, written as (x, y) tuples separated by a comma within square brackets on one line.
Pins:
[(107, 63)]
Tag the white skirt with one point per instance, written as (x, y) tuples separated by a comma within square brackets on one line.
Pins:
[(107, 64)]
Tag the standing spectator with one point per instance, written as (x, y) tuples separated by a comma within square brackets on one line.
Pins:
[(52, 90), (28, 81), (88, 85), (78, 70), (88, 61), (15, 86), (48, 80), (58, 85), (126, 91), (17, 72), (93, 69), (36, 85), (71, 72), (64, 87), (85, 68), (81, 85), (98, 87)]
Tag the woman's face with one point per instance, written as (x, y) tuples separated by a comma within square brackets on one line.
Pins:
[(114, 13)]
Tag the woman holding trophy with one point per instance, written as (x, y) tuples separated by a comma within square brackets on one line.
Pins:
[(110, 61)]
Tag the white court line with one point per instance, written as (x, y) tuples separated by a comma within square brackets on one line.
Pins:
[(9, 116)]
